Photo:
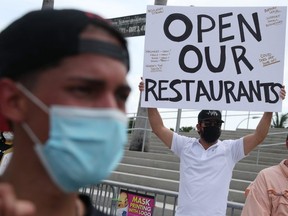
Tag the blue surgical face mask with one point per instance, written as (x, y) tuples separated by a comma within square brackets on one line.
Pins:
[(84, 145)]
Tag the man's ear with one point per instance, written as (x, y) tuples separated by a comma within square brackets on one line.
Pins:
[(198, 127), (12, 101)]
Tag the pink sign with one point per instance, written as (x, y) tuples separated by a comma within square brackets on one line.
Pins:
[(135, 204)]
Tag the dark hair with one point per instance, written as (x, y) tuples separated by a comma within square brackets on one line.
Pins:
[(41, 39)]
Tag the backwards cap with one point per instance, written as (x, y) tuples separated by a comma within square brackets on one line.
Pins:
[(210, 114), (44, 37)]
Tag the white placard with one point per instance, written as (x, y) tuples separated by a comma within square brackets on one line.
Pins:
[(226, 58)]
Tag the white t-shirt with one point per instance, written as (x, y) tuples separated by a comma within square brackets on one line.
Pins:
[(205, 175)]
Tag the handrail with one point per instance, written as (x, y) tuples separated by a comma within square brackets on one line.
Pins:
[(141, 187), (145, 129), (263, 146), (272, 144), (273, 133), (171, 114), (269, 145), (131, 129)]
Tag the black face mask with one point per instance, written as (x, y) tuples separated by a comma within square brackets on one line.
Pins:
[(210, 134)]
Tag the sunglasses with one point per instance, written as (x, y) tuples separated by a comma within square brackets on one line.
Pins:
[(209, 123)]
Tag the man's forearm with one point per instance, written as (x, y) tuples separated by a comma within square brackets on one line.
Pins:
[(263, 127), (155, 119)]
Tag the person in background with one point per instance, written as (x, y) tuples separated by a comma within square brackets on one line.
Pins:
[(63, 88), (267, 195), (206, 163)]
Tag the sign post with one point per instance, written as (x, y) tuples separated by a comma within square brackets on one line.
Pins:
[(130, 26)]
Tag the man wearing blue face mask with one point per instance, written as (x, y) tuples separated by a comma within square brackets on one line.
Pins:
[(63, 89)]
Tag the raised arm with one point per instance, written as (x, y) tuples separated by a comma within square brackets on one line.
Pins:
[(163, 133), (156, 122), (252, 140)]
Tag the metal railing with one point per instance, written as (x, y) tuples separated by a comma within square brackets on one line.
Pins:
[(188, 117), (104, 197), (145, 129), (260, 147)]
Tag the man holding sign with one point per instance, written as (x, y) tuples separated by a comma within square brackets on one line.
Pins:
[(224, 58), (219, 58), (206, 164)]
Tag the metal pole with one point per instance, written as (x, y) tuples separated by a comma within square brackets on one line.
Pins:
[(225, 119), (248, 119), (160, 2), (178, 120), (144, 139), (241, 122), (258, 155), (47, 4)]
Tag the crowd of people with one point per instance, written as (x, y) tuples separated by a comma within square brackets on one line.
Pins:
[(63, 90)]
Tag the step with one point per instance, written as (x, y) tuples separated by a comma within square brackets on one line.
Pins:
[(151, 163), (148, 171), (172, 174)]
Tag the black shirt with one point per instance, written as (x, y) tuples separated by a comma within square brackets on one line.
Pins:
[(90, 209)]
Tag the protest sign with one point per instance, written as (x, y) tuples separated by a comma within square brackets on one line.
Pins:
[(226, 58), (134, 204)]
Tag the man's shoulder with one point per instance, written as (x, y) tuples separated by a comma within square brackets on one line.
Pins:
[(229, 142), (185, 137), (232, 140), (271, 169)]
